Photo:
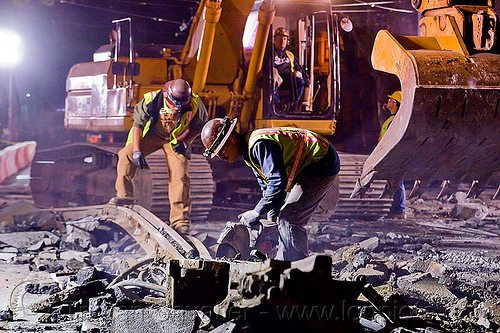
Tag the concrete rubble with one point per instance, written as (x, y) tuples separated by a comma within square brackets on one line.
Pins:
[(442, 264)]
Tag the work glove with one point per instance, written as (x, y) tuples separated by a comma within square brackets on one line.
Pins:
[(278, 80), (250, 218), (180, 148), (139, 160)]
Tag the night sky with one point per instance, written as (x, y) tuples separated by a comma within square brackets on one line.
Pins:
[(57, 34)]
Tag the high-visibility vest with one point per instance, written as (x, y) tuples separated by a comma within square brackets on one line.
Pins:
[(385, 126), (181, 131), (291, 57), (300, 148)]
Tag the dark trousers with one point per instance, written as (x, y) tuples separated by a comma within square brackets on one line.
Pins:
[(299, 206), (399, 200)]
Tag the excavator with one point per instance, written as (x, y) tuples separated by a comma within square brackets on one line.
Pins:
[(446, 75), (445, 129), (235, 82)]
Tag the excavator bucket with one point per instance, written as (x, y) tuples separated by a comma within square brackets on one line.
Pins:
[(447, 125)]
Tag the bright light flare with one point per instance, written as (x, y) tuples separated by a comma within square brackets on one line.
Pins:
[(10, 48)]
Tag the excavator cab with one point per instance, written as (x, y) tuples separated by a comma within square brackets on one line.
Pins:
[(315, 43), (316, 51)]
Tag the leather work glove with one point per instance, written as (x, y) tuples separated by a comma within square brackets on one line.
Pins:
[(249, 218), (139, 160), (180, 148)]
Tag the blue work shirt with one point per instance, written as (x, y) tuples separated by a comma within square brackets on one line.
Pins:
[(268, 155)]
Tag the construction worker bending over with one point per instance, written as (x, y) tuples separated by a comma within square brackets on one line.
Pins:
[(295, 168), (168, 119)]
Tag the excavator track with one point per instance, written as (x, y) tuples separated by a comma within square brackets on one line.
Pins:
[(202, 186), (84, 175), (370, 206)]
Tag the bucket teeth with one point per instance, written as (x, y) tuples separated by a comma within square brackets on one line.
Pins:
[(447, 189), (419, 187), (475, 189), (389, 189), (497, 193), (359, 190)]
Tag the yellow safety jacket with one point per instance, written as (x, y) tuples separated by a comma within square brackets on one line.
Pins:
[(385, 126), (300, 148), (182, 130), (291, 57)]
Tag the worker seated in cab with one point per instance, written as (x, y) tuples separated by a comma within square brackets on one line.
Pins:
[(289, 78)]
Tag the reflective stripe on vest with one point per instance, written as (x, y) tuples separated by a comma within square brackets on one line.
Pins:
[(291, 57), (181, 131), (299, 148), (385, 126)]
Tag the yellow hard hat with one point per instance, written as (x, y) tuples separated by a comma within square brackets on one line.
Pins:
[(396, 95), (281, 31)]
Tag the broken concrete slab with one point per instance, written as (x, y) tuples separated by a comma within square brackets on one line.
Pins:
[(157, 320), (373, 276), (422, 287), (370, 244), (77, 255), (467, 210), (68, 295), (8, 213), (24, 240), (78, 240)]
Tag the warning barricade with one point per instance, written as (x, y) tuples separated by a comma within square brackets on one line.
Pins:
[(16, 157)]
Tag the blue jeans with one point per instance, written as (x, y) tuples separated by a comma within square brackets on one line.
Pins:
[(300, 90), (399, 200)]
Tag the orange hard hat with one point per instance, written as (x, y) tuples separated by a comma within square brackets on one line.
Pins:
[(281, 31)]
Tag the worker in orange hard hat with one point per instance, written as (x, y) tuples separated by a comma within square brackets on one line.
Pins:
[(169, 119), (289, 76)]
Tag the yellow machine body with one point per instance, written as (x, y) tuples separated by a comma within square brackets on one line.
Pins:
[(446, 127)]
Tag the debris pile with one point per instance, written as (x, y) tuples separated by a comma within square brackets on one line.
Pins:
[(384, 275), (444, 261)]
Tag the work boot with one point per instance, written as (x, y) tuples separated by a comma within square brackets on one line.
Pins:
[(117, 201), (398, 216), (182, 229)]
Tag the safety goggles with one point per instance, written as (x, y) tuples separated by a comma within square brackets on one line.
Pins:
[(179, 103), (220, 140)]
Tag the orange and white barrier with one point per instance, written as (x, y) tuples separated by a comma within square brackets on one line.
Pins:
[(16, 157)]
